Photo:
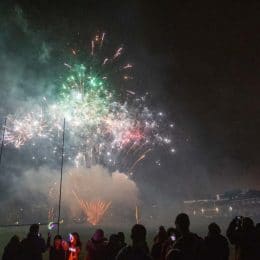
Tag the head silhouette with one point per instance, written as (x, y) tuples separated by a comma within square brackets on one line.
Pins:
[(138, 233), (182, 223), (57, 241), (162, 234), (257, 226), (170, 231), (114, 239), (121, 237), (14, 240), (98, 236), (214, 229), (162, 229), (34, 229), (247, 224)]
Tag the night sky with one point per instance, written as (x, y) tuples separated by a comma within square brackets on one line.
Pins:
[(201, 64)]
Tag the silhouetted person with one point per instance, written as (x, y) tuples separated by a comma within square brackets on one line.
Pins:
[(242, 233), (73, 247), (113, 247), (216, 245), (176, 254), (34, 245), (56, 251), (121, 237), (139, 249), (172, 236), (161, 232), (189, 246), (96, 247), (159, 240), (12, 250), (257, 226)]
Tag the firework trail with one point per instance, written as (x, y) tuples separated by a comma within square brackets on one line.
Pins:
[(137, 215), (138, 160)]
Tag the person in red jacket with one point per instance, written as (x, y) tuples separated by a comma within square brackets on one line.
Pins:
[(74, 247)]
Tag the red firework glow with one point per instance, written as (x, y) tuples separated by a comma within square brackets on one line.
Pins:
[(94, 210), (132, 136)]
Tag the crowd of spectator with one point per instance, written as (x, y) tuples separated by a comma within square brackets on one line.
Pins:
[(177, 243)]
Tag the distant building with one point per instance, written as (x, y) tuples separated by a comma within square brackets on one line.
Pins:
[(229, 204)]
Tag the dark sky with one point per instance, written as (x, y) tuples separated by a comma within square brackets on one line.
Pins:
[(212, 70), (199, 59)]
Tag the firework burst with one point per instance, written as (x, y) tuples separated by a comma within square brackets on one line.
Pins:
[(93, 210), (100, 127)]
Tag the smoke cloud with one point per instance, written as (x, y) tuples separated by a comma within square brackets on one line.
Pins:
[(37, 192)]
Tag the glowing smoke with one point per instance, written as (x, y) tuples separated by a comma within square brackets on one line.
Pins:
[(36, 193), (96, 183)]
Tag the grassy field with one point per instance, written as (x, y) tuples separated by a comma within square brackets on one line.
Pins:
[(85, 233)]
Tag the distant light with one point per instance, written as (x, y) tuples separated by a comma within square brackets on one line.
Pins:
[(167, 140), (202, 210), (173, 150), (51, 226), (217, 209), (230, 208)]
